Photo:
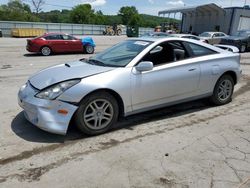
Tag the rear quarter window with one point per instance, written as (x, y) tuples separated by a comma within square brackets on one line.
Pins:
[(197, 50)]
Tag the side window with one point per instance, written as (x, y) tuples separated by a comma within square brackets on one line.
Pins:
[(222, 35), (195, 38), (67, 37), (166, 52), (198, 50), (216, 35), (53, 37)]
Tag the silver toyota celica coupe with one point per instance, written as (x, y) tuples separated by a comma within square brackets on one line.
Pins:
[(133, 76)]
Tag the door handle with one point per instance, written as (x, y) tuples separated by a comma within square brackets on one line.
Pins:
[(193, 69)]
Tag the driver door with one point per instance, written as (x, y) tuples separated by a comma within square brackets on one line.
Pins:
[(174, 77)]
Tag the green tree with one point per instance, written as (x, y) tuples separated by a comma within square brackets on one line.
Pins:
[(129, 15), (15, 10), (99, 18), (82, 14)]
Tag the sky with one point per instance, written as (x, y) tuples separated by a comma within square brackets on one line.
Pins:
[(151, 7)]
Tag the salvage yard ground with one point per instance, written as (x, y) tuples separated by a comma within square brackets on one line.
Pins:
[(188, 145)]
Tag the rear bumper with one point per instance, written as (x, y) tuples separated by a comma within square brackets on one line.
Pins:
[(32, 48), (44, 113)]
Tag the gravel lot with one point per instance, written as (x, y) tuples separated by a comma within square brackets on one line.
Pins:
[(188, 145)]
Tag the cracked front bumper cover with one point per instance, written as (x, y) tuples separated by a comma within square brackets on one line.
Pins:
[(44, 113)]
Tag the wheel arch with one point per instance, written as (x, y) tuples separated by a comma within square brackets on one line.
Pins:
[(114, 94), (46, 46), (232, 74)]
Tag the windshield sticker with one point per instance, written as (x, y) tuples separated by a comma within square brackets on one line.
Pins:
[(141, 43)]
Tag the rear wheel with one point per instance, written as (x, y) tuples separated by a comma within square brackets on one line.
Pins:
[(46, 51), (89, 49), (97, 113), (223, 90)]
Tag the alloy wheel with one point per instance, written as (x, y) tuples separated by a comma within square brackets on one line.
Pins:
[(225, 90), (46, 51), (98, 114)]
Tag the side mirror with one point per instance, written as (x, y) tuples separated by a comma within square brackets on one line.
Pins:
[(144, 66)]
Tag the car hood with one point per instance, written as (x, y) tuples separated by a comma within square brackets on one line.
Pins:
[(234, 38), (68, 71)]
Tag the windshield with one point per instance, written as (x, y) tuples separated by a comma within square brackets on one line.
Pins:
[(242, 34), (121, 54), (205, 34)]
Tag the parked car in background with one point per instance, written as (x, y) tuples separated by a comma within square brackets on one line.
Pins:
[(241, 40), (131, 77), (1, 34), (155, 34), (60, 43), (212, 37), (188, 36)]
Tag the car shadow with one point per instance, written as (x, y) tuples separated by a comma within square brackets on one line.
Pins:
[(32, 55), (163, 113), (55, 54), (29, 132), (25, 130)]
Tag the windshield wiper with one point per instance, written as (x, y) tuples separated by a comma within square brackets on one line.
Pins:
[(96, 62)]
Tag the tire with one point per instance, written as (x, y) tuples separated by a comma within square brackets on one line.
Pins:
[(119, 32), (46, 51), (97, 113), (243, 48), (223, 90), (89, 49), (112, 33)]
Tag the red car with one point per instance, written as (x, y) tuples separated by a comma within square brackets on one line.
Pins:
[(60, 43)]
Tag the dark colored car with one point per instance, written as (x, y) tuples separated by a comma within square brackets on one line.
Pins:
[(241, 40), (60, 43)]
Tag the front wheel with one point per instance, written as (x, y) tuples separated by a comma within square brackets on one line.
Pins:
[(97, 113), (89, 49), (223, 90)]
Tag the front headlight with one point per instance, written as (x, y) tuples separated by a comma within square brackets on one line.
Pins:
[(23, 87), (56, 90)]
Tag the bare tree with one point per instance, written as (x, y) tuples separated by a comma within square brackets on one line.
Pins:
[(38, 5)]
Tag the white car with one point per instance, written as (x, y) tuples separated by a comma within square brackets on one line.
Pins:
[(212, 37), (188, 36), (131, 77)]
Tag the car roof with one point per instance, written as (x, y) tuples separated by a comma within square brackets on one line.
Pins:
[(55, 33), (182, 35), (154, 33), (212, 32), (165, 39)]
